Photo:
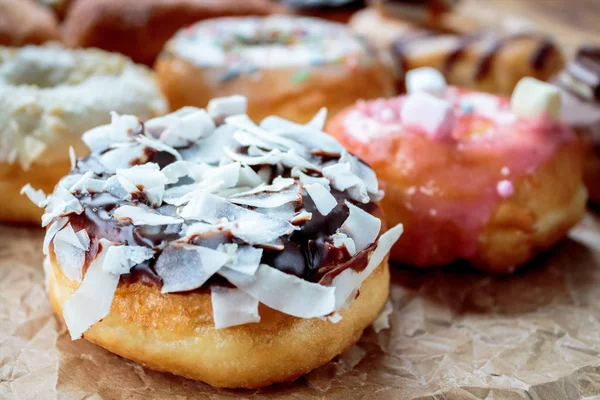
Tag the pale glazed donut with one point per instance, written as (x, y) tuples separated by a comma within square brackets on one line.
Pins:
[(287, 66), (26, 22), (48, 97), (480, 60), (140, 28), (494, 191), (210, 247)]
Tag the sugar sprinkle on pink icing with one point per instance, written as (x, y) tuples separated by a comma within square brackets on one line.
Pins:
[(505, 188)]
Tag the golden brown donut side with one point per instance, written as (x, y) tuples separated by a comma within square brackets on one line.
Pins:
[(175, 333), (546, 204), (276, 92), (26, 22), (140, 29)]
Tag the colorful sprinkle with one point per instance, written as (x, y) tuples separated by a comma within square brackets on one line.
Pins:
[(505, 188), (232, 73), (300, 76), (467, 108)]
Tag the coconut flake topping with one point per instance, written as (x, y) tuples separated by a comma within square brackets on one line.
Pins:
[(201, 197)]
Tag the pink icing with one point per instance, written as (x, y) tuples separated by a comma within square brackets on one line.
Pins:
[(462, 181)]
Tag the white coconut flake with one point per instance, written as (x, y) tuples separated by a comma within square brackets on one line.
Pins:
[(120, 259), (37, 197), (361, 226), (141, 216), (289, 159), (302, 216), (69, 249), (383, 319), (342, 178), (283, 292), (122, 157), (156, 126), (188, 129), (158, 146), (252, 227), (227, 106), (363, 171), (342, 240), (247, 177), (232, 307), (243, 259), (92, 300), (268, 139), (98, 138), (324, 201), (348, 281), (210, 150), (72, 157), (318, 121), (87, 184), (60, 203), (187, 267), (306, 135), (52, 231), (147, 179), (307, 179)]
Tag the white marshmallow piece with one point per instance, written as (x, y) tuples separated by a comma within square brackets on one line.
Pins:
[(532, 98), (227, 106), (425, 79), (428, 114)]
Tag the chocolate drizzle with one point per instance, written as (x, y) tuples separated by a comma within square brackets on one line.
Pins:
[(537, 60), (307, 252)]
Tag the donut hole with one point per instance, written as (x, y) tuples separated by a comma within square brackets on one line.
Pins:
[(48, 68)]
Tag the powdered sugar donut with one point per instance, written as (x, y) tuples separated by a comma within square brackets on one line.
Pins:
[(284, 65), (471, 175), (48, 97), (210, 247)]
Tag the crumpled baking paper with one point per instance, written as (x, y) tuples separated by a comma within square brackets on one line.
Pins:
[(455, 334)]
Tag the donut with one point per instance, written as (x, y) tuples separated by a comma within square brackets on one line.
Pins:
[(335, 10), (287, 66), (481, 60), (48, 97), (472, 176), (204, 245), (580, 84), (139, 29), (26, 22)]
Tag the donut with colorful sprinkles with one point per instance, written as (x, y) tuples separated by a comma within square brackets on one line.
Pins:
[(205, 245), (472, 176), (285, 65)]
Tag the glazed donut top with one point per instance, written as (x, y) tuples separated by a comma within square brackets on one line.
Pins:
[(194, 200), (455, 155), (50, 95), (268, 43)]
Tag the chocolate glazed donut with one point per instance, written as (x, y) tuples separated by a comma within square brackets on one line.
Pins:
[(483, 60), (580, 81)]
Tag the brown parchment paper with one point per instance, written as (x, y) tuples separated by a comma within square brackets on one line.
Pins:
[(455, 334)]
